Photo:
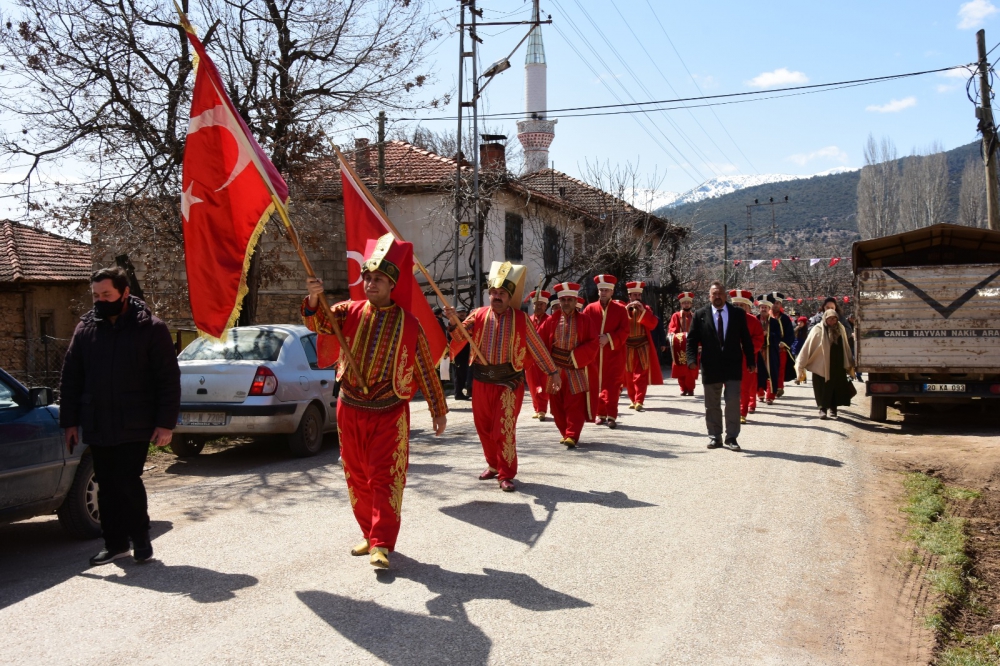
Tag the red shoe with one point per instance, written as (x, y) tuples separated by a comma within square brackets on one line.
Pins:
[(507, 485), (488, 474)]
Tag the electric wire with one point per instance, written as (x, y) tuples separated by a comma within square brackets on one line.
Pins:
[(697, 87)]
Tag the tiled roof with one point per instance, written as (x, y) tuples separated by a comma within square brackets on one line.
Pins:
[(578, 193), (33, 255)]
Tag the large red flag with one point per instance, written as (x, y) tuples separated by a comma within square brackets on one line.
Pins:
[(363, 222), (226, 200)]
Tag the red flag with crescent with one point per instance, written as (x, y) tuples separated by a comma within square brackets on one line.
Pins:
[(834, 261), (363, 223), (226, 200)]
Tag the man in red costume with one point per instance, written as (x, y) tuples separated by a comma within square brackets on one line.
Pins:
[(535, 376), (392, 356), (611, 322), (571, 338), (677, 332), (508, 342), (642, 365), (779, 334), (748, 387)]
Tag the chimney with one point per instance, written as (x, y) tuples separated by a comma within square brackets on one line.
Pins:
[(362, 160), (492, 157)]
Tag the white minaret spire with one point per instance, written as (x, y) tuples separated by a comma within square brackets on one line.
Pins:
[(536, 131)]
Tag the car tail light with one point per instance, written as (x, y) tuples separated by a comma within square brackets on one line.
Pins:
[(995, 388), (264, 382), (883, 388)]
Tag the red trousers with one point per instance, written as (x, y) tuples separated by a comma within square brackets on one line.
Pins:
[(611, 388), (569, 412), (636, 384), (374, 449), (748, 393), (685, 377), (494, 411), (777, 382), (537, 381)]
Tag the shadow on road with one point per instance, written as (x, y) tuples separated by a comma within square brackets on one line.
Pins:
[(227, 459), (517, 522), (202, 585), (446, 636), (39, 555), (793, 457)]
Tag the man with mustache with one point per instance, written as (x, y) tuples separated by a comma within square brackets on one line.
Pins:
[(508, 343), (642, 367), (572, 340), (535, 376), (612, 324), (373, 415), (677, 332)]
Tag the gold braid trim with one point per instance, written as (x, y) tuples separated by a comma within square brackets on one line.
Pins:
[(507, 425), (398, 469)]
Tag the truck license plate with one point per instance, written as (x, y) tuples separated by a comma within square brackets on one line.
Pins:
[(202, 418), (944, 388)]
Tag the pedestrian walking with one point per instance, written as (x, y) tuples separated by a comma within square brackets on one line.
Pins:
[(642, 366), (373, 409), (612, 324), (536, 378), (120, 392), (720, 331), (682, 370), (779, 334), (828, 357), (508, 342), (748, 386)]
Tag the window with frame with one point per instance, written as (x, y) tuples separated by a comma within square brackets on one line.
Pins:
[(550, 249), (513, 237)]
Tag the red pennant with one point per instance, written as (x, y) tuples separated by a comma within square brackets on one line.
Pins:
[(847, 299), (363, 223), (774, 264), (227, 185), (834, 261), (737, 262)]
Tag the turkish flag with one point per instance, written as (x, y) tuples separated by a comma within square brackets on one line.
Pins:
[(227, 186), (363, 224), (834, 261)]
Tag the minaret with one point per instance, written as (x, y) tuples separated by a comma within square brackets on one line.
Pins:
[(536, 131)]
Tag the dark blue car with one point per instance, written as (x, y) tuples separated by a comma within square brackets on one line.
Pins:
[(37, 475)]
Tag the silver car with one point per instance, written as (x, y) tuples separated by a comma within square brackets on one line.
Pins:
[(263, 380)]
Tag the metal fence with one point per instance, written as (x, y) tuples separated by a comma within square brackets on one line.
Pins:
[(43, 362)]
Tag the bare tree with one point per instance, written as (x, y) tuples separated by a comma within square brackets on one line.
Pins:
[(104, 88), (878, 190), (923, 190), (972, 195)]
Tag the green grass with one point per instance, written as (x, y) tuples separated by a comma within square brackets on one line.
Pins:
[(980, 651)]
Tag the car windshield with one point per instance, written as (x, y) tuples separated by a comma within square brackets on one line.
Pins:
[(248, 344), (6, 396)]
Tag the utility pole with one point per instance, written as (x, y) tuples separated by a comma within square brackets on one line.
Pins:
[(381, 158), (477, 223), (774, 229), (985, 115), (462, 55)]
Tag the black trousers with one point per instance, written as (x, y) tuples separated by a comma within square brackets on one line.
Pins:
[(463, 376), (121, 496)]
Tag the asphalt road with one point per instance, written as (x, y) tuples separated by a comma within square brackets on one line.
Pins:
[(639, 546)]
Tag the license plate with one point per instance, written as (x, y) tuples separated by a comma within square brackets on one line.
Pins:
[(944, 388), (202, 419)]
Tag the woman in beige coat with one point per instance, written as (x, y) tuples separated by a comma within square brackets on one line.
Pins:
[(827, 354)]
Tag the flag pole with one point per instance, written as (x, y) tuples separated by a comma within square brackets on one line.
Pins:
[(398, 236), (294, 238)]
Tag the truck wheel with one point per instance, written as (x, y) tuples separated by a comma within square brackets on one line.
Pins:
[(79, 514), (308, 439), (185, 446), (878, 410)]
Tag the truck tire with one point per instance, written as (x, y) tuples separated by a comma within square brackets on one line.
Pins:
[(78, 513), (878, 409), (185, 446), (307, 440)]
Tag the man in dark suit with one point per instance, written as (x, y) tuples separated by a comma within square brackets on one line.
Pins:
[(720, 329)]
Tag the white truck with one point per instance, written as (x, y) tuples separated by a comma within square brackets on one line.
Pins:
[(927, 310)]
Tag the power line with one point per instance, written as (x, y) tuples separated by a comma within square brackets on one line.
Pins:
[(814, 87), (695, 82)]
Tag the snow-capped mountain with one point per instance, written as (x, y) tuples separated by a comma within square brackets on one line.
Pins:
[(717, 187)]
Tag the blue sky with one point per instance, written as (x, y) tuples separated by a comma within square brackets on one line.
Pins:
[(736, 46)]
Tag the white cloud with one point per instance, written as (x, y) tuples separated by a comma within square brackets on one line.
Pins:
[(972, 14), (957, 73), (944, 88), (894, 106), (828, 153), (779, 77)]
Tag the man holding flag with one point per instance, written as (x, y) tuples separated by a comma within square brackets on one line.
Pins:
[(373, 413), (507, 342)]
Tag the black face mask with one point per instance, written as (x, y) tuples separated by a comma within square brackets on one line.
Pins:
[(106, 309)]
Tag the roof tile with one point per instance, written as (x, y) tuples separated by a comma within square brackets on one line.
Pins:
[(28, 254)]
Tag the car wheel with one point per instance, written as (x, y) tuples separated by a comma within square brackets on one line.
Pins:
[(79, 514), (185, 446), (308, 439)]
